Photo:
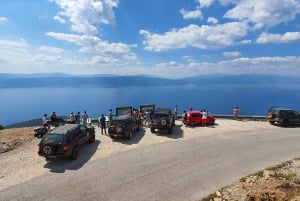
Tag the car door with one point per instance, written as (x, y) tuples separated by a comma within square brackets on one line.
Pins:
[(84, 134), (295, 117), (198, 118)]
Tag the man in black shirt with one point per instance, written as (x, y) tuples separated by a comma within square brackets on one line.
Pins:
[(103, 124)]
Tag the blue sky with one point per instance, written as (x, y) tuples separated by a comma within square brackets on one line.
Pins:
[(167, 38)]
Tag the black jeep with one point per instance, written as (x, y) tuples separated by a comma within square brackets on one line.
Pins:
[(65, 141), (162, 119), (283, 116), (123, 126)]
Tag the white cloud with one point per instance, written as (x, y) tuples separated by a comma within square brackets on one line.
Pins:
[(85, 15), (48, 49), (266, 13), (59, 19), (212, 20), (3, 20), (260, 65), (232, 54), (104, 60), (202, 37), (278, 38), (92, 44), (205, 3), (196, 14)]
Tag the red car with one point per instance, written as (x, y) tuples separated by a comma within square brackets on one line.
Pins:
[(195, 118)]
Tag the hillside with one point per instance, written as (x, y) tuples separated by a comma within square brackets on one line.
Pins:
[(63, 80)]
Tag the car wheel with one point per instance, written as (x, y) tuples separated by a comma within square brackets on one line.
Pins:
[(47, 150), (272, 122), (130, 135), (285, 122), (152, 130), (193, 124), (92, 138), (75, 153)]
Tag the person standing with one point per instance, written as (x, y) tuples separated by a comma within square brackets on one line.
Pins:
[(204, 117), (84, 118), (72, 118), (176, 111), (110, 115), (142, 116), (185, 116), (147, 118), (77, 118), (236, 112), (53, 119), (45, 122), (103, 124)]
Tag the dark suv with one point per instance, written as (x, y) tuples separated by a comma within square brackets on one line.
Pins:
[(65, 141), (283, 116), (162, 119), (123, 126)]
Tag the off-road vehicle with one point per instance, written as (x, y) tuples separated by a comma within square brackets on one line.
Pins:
[(162, 119), (123, 126), (283, 116), (65, 141)]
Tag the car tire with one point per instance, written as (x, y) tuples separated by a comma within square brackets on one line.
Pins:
[(192, 124), (92, 138), (75, 153), (47, 150), (152, 130), (285, 122), (272, 122), (130, 134)]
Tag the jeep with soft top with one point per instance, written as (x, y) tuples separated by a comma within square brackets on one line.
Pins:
[(65, 141), (162, 119), (123, 126)]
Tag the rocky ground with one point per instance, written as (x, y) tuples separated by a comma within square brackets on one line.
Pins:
[(19, 162)]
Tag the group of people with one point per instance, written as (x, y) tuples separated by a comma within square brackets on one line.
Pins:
[(77, 118), (72, 119)]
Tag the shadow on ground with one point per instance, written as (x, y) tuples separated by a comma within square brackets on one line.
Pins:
[(60, 165), (136, 138), (177, 132)]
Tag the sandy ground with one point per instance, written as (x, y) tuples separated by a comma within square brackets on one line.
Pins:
[(23, 163)]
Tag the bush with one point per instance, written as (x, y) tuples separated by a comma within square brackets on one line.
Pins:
[(1, 127)]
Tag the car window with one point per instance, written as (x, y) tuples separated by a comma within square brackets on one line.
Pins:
[(197, 115), (52, 138), (76, 133), (83, 129), (69, 137)]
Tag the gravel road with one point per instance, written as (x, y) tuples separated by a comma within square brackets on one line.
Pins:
[(188, 165)]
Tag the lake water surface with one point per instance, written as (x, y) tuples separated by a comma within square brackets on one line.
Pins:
[(23, 104)]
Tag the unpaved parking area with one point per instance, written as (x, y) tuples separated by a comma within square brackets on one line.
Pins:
[(23, 163)]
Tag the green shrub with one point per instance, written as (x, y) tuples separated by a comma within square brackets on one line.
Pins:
[(1, 127)]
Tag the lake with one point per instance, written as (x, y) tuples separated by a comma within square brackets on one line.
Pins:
[(21, 104)]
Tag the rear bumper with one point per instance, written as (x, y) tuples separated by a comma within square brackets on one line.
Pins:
[(56, 155)]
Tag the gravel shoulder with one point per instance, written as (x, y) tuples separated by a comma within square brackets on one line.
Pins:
[(23, 163)]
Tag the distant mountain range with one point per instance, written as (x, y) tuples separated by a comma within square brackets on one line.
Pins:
[(65, 80)]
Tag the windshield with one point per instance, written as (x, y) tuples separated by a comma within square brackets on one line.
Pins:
[(52, 138)]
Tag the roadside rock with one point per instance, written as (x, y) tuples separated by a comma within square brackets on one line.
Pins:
[(10, 145)]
